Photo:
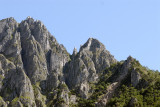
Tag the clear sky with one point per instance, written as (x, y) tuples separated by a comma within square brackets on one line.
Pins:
[(125, 27)]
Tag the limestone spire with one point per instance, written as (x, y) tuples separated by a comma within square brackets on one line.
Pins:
[(74, 51)]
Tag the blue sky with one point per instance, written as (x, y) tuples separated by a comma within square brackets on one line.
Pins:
[(125, 27)]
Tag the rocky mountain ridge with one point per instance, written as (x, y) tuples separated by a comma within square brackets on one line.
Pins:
[(37, 71)]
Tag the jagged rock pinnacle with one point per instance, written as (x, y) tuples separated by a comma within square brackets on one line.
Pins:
[(74, 52)]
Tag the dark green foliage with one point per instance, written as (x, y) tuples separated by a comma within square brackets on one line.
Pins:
[(111, 73), (72, 92), (86, 103), (145, 94), (125, 95), (145, 97)]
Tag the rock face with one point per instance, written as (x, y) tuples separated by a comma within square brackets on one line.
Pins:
[(99, 55), (86, 66), (31, 61), (14, 81), (37, 71), (135, 78)]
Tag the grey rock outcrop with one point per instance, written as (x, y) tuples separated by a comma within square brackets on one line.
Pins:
[(128, 69), (135, 77), (15, 82), (99, 55), (29, 55), (43, 57), (133, 102), (32, 54), (86, 66)]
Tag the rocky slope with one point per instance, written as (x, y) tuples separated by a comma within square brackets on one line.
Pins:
[(37, 71)]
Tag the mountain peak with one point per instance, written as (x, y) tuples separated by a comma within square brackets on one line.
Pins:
[(92, 44), (8, 19), (32, 21), (130, 58), (29, 20), (8, 23)]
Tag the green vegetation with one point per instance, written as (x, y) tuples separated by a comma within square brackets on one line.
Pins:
[(85, 103), (12, 36), (14, 101), (145, 97), (60, 101), (99, 88), (72, 92), (145, 94), (1, 77), (2, 103), (39, 97)]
